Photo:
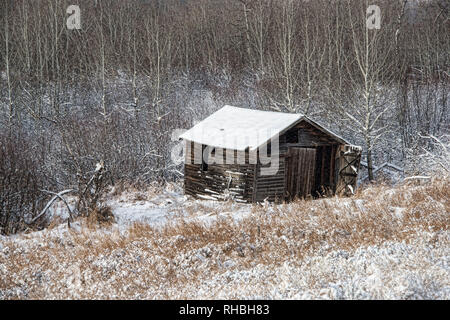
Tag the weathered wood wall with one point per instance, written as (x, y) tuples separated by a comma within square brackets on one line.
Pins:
[(300, 172), (310, 136), (219, 181), (272, 187)]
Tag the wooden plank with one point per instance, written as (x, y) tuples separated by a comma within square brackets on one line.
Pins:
[(331, 173), (299, 174), (255, 172), (305, 174), (311, 176)]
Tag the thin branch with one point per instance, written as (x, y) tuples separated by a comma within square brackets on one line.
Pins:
[(57, 196)]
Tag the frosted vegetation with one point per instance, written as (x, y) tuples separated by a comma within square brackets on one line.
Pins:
[(383, 243)]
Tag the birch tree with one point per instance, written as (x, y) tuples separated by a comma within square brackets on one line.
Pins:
[(369, 80), (284, 60), (7, 58)]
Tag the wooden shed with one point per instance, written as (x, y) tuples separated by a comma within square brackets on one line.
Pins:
[(252, 155)]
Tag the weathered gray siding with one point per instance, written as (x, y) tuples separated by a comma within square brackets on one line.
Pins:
[(272, 187), (219, 181)]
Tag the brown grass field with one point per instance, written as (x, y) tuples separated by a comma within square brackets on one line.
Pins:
[(383, 243)]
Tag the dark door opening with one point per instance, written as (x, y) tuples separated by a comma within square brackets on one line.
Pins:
[(325, 171)]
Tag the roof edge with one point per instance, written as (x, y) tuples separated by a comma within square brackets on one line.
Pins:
[(303, 117)]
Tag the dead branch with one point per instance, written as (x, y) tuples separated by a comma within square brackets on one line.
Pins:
[(57, 196)]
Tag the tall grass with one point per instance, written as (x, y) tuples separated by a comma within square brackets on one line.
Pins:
[(154, 262)]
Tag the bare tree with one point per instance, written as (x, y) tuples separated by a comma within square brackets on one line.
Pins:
[(369, 78), (11, 109)]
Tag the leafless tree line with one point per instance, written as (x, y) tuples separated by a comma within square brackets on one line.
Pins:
[(115, 89)]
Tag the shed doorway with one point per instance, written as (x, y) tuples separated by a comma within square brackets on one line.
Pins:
[(300, 172)]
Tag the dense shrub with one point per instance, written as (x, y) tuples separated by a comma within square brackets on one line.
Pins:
[(20, 183)]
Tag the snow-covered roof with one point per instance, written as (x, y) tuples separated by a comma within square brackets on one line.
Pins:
[(240, 128)]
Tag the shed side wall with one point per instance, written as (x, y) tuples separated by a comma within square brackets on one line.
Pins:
[(219, 181)]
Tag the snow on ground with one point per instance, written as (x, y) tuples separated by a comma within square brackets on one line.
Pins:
[(158, 208), (384, 244), (393, 270)]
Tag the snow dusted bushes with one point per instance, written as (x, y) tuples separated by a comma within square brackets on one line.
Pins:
[(429, 155), (134, 146), (385, 242), (133, 142), (20, 183)]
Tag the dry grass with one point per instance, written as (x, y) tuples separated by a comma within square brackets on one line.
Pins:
[(147, 262), (101, 216)]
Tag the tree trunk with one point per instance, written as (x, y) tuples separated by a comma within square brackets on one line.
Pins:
[(370, 165)]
